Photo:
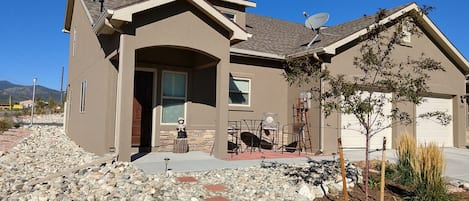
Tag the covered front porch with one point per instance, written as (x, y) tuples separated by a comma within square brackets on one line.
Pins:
[(174, 62), (171, 83), (165, 84)]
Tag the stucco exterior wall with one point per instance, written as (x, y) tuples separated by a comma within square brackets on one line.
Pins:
[(441, 84), (314, 116), (182, 25), (237, 10), (268, 90), (94, 128)]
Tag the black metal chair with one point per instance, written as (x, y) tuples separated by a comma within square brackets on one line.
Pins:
[(234, 127)]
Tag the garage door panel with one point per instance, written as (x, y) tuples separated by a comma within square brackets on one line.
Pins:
[(431, 130), (350, 125)]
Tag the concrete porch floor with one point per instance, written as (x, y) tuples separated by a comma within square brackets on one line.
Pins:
[(457, 160)]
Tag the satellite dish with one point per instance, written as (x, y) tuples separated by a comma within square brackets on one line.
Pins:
[(315, 22)]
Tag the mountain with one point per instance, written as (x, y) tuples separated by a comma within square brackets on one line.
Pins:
[(5, 85), (20, 92)]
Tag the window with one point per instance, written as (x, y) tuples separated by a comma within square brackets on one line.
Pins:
[(83, 96), (174, 96), (240, 89), (230, 16)]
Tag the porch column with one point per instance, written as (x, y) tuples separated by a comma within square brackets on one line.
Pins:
[(125, 89), (223, 76)]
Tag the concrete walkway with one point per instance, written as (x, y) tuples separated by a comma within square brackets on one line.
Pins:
[(457, 161)]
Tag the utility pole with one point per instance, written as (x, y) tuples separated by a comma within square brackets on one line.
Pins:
[(32, 106)]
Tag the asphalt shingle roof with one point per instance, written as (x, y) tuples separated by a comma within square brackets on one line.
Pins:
[(269, 35), (281, 37), (94, 6)]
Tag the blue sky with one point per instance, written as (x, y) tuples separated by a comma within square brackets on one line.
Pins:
[(32, 44)]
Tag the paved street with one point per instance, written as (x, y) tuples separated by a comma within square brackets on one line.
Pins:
[(457, 161)]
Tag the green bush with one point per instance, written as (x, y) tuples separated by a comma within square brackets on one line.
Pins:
[(391, 172), (374, 183)]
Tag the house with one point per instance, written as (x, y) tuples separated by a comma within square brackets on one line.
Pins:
[(5, 107), (26, 103), (136, 66), (18, 107)]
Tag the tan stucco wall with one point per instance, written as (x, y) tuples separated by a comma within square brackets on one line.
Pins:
[(94, 128), (237, 10), (268, 92), (182, 25), (449, 83), (314, 116)]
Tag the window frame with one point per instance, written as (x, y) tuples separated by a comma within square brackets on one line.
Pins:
[(249, 92), (173, 97), (84, 86)]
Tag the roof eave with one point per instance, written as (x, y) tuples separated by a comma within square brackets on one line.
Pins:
[(446, 44), (256, 54), (236, 33), (428, 25), (103, 25), (242, 2), (308, 52), (68, 15), (332, 47)]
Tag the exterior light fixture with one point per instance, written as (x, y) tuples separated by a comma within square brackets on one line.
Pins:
[(166, 161)]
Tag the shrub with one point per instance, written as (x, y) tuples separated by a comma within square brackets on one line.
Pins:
[(5, 124), (406, 159), (374, 182)]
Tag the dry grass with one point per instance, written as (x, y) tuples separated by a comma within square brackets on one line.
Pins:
[(431, 163), (421, 167), (430, 184)]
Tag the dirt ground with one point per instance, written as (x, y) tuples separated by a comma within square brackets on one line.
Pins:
[(10, 138), (392, 191)]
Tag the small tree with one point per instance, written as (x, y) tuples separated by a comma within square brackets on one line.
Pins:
[(51, 101), (358, 95), (39, 106)]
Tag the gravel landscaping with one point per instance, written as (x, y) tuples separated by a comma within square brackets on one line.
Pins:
[(47, 165)]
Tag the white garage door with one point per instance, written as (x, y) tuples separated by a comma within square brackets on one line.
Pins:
[(431, 130), (352, 132)]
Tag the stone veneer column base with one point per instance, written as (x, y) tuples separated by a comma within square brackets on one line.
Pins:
[(198, 140)]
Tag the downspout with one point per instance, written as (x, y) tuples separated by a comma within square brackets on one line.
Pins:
[(321, 116)]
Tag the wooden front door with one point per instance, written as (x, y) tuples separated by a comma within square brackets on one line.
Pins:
[(142, 110)]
